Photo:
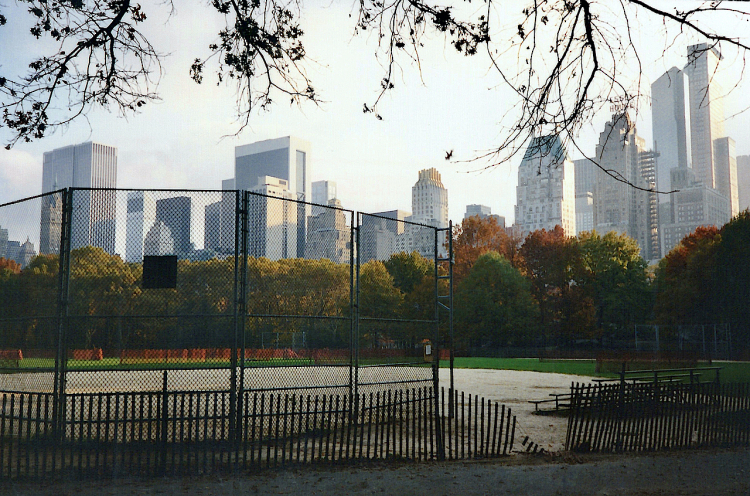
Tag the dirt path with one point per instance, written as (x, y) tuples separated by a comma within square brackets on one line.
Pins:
[(716, 472)]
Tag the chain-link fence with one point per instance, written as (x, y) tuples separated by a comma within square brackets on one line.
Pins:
[(124, 291)]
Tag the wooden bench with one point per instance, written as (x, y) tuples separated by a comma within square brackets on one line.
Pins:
[(560, 400)]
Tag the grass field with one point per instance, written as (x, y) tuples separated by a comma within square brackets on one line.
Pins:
[(730, 371)]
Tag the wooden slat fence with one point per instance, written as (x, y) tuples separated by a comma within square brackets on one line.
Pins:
[(628, 417), (178, 432)]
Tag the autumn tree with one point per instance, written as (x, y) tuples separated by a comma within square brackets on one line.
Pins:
[(476, 236), (732, 285), (553, 265)]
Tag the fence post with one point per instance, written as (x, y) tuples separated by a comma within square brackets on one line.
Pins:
[(238, 345), (354, 309), (63, 291), (436, 352)]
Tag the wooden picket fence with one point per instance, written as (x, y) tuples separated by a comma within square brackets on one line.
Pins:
[(192, 432), (627, 417)]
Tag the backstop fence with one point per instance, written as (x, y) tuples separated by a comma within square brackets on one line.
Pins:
[(166, 294)]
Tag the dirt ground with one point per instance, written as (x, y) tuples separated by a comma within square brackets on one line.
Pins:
[(716, 473)]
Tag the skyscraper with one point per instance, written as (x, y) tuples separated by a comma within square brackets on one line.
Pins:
[(328, 235), (429, 199), (212, 227), (322, 193), (706, 109), (545, 195), (617, 205), (725, 165), (176, 213), (88, 165), (141, 212), (429, 202), (285, 158), (670, 118), (228, 215), (272, 220), (743, 181)]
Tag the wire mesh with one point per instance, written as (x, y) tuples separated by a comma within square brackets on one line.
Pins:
[(166, 290), (298, 326), (396, 301), (29, 267)]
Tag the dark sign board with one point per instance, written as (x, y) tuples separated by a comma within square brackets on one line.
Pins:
[(159, 272)]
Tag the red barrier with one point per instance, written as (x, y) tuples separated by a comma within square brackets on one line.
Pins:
[(11, 355), (86, 355)]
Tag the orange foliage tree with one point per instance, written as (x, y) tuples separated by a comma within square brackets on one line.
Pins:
[(476, 236)]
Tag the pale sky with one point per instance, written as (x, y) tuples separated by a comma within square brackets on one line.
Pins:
[(457, 105)]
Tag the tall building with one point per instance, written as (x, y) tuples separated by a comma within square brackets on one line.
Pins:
[(429, 201), (692, 205), (743, 182), (158, 241), (88, 165), (585, 174), (725, 165), (378, 233), (545, 195), (25, 254), (228, 215), (272, 219), (617, 205), (322, 193), (212, 227), (176, 214), (3, 243), (285, 158), (328, 236), (706, 109), (141, 216), (670, 118), (51, 225), (584, 212), (483, 211)]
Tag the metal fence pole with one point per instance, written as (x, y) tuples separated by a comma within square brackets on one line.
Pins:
[(353, 311), (436, 353), (63, 291)]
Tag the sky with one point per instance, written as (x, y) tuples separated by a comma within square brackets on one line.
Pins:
[(453, 103)]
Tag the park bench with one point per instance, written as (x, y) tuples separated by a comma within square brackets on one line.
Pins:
[(561, 400)]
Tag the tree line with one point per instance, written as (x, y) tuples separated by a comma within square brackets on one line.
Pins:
[(544, 289)]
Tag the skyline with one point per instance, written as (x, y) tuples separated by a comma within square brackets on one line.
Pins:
[(177, 143)]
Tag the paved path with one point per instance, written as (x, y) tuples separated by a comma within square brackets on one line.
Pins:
[(716, 473)]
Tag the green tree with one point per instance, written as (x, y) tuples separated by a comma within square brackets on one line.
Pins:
[(615, 277), (494, 304), (733, 277), (408, 270)]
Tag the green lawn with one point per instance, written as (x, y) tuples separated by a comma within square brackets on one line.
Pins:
[(730, 372)]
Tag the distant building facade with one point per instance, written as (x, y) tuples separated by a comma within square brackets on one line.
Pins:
[(378, 232), (328, 235), (176, 214), (545, 195), (429, 201), (272, 222), (285, 158), (483, 211), (725, 164), (87, 165), (322, 193), (141, 215), (692, 206), (670, 119), (743, 182), (617, 205), (212, 227)]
